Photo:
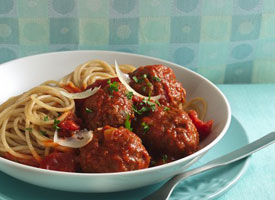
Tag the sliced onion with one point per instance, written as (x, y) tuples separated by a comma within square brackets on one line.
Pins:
[(124, 76), (80, 95), (125, 79), (79, 139)]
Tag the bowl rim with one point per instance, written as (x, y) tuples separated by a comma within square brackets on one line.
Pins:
[(134, 172)]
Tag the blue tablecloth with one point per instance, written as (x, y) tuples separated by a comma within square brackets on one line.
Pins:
[(254, 107)]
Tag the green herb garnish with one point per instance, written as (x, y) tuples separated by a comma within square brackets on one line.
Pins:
[(146, 106), (145, 127), (152, 105), (129, 95), (142, 110), (155, 78), (88, 110), (157, 102), (136, 110), (149, 84), (55, 124), (144, 88), (46, 118), (166, 108), (29, 129), (135, 79), (127, 123), (112, 86), (43, 132), (144, 76), (164, 158)]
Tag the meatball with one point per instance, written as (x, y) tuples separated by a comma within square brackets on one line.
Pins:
[(109, 106), (113, 150), (155, 80), (175, 137)]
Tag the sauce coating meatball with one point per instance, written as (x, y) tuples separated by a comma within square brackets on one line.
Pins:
[(153, 80), (109, 106), (113, 150), (168, 131), (60, 161)]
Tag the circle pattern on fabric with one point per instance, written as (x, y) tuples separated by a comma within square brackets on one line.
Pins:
[(246, 27), (241, 51), (123, 31), (184, 55), (63, 6), (123, 7), (186, 5)]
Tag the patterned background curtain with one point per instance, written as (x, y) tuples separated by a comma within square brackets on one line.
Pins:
[(228, 41)]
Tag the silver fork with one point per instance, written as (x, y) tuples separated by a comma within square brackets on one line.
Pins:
[(165, 191)]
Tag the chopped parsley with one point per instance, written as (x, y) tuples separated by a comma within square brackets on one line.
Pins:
[(129, 95), (140, 111), (112, 86), (55, 124), (136, 110), (144, 109), (43, 132), (29, 129), (149, 84), (149, 97), (144, 76), (152, 105), (166, 108), (88, 110), (147, 105), (157, 102), (135, 79), (144, 88), (155, 78), (46, 118), (127, 123), (164, 158), (145, 127)]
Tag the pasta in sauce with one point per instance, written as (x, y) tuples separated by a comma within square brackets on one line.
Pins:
[(29, 122)]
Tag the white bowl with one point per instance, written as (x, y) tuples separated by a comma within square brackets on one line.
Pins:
[(22, 74)]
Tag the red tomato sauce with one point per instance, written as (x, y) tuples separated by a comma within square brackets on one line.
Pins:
[(129, 132), (204, 128)]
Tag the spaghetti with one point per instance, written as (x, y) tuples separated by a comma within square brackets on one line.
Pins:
[(28, 121)]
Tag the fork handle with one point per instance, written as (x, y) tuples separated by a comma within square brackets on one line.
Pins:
[(165, 191)]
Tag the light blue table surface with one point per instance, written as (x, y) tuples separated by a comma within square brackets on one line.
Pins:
[(254, 107)]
